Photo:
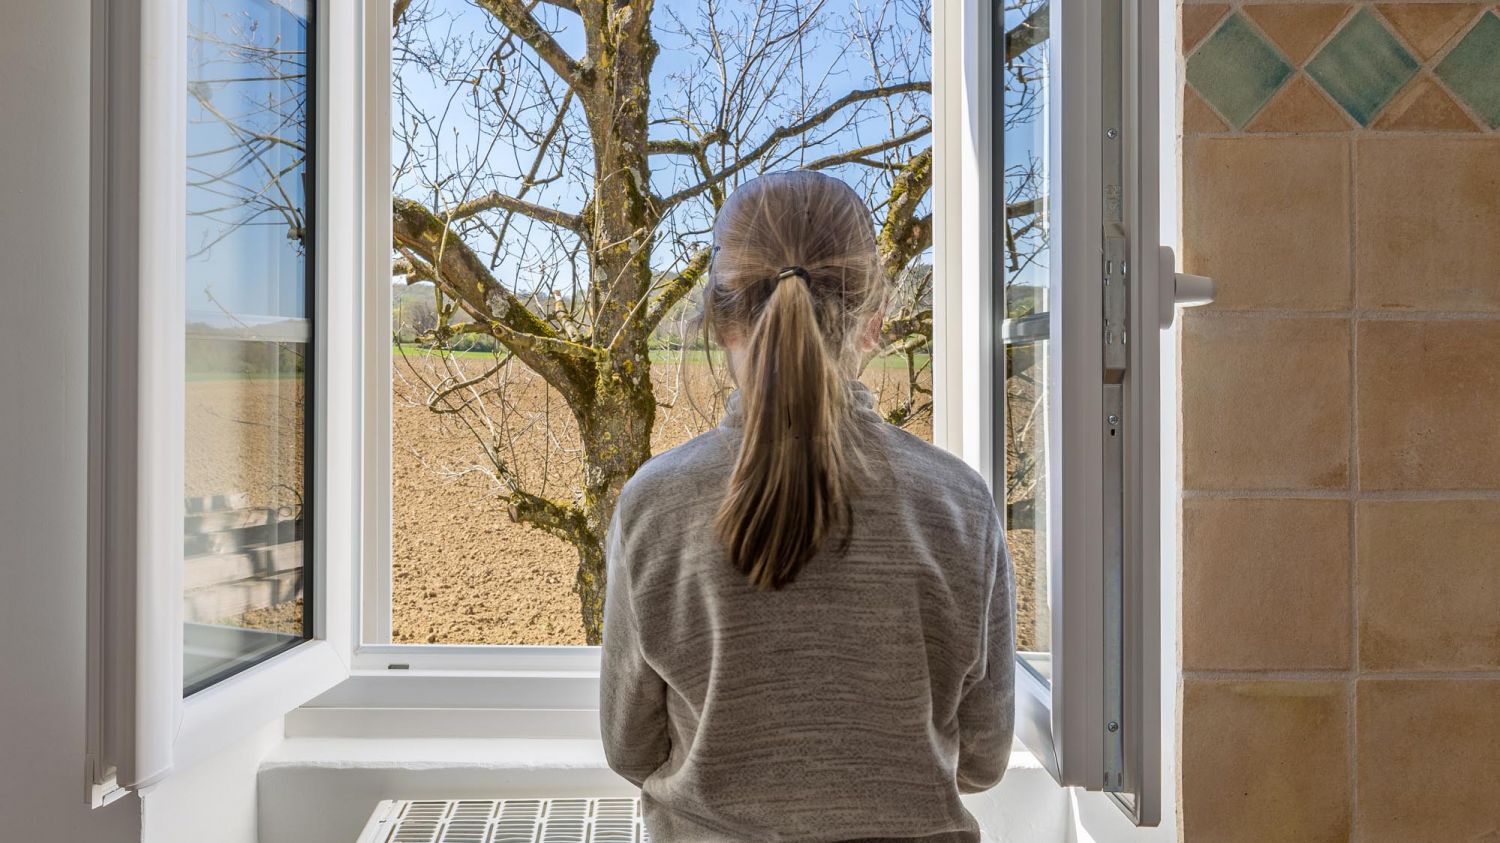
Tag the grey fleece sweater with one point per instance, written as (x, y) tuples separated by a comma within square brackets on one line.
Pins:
[(855, 703)]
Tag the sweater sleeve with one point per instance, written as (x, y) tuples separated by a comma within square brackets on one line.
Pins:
[(986, 715), (632, 696)]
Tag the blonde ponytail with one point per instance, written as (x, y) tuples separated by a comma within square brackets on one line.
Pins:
[(787, 491), (796, 325)]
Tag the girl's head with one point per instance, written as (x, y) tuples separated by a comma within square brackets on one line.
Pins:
[(795, 292)]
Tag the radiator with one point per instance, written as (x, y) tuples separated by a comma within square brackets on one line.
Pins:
[(506, 821)]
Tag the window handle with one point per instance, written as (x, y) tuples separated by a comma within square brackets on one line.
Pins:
[(1179, 288)]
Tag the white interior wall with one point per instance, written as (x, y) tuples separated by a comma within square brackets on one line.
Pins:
[(44, 315), (44, 312), (214, 799)]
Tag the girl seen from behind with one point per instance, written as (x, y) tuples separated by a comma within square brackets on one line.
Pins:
[(808, 631)]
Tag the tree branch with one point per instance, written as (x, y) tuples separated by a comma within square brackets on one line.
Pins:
[(863, 152), (462, 274), (496, 200), (896, 330), (675, 290), (519, 20), (437, 397), (904, 235), (673, 146), (518, 341), (1026, 207), (682, 146), (1028, 33), (563, 520), (792, 130), (412, 266)]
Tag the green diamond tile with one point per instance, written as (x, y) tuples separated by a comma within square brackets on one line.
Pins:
[(1236, 70), (1472, 69), (1363, 67)]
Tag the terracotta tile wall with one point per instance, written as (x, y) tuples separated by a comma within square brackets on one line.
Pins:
[(1341, 422)]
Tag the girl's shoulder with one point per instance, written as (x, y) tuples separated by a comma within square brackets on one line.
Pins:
[(933, 469), (680, 473)]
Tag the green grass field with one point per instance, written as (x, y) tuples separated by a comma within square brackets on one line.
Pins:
[(664, 356), (695, 357)]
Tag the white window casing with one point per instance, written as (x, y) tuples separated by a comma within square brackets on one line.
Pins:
[(1103, 733)]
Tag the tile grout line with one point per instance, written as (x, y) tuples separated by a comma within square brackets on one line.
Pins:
[(1352, 682), (1353, 672), (1425, 69), (1482, 133), (1334, 674), (1430, 66), (1341, 494), (1366, 314)]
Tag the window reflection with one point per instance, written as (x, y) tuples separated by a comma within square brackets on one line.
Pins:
[(248, 326), (1024, 81)]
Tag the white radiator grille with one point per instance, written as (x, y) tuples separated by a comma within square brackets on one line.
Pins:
[(507, 821)]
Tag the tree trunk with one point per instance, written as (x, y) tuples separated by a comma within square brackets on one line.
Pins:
[(622, 220), (616, 433), (594, 349)]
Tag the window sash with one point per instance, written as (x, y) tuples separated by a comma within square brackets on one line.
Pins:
[(1105, 515), (236, 648), (142, 727)]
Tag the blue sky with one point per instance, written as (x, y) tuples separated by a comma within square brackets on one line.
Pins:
[(242, 258), (828, 54), (243, 191), (1027, 139)]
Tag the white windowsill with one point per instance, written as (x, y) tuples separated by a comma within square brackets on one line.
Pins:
[(421, 754), (323, 788), (398, 734)]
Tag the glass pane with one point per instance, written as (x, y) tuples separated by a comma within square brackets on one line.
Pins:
[(1026, 493), (502, 473), (1027, 180), (246, 536)]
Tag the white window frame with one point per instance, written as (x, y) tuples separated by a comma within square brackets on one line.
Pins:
[(961, 364), (1075, 738), (1066, 725), (371, 651), (142, 728), (961, 330)]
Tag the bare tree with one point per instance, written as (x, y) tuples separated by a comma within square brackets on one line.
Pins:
[(556, 180)]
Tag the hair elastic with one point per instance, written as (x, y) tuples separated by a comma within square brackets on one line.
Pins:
[(789, 271)]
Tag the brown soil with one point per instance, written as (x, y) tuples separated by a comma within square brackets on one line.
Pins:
[(243, 462), (244, 439), (462, 571)]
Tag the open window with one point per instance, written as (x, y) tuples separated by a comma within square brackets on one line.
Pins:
[(1035, 283), (381, 348), (1097, 368), (223, 536), (1077, 293), (539, 335)]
